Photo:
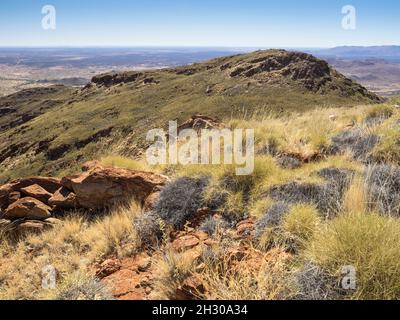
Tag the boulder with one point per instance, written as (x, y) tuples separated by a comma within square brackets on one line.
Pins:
[(37, 192), (102, 187), (49, 184), (63, 198), (28, 208)]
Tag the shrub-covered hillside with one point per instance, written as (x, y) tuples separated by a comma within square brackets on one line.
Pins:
[(321, 205)]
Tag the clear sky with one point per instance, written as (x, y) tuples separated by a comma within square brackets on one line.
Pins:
[(244, 23)]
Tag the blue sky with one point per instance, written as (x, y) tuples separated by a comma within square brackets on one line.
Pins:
[(237, 23)]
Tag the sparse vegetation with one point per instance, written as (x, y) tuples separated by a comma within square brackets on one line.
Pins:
[(324, 194)]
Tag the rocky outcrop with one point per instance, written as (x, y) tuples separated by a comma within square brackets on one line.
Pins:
[(102, 187), (9, 192), (27, 204)]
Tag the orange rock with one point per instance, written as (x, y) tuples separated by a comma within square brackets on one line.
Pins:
[(108, 267), (192, 288), (185, 243), (33, 226), (245, 228), (28, 208), (63, 199), (103, 187), (49, 184), (150, 201), (37, 192)]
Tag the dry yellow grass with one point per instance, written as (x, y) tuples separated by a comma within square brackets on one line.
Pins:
[(366, 241), (72, 247), (355, 198)]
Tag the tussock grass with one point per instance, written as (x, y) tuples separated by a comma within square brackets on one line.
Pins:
[(171, 270), (272, 281), (71, 248), (126, 163), (299, 226), (368, 242)]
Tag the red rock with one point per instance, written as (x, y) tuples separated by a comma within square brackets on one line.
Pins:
[(245, 228), (103, 187), (192, 288), (49, 184), (37, 192), (63, 199), (108, 267), (129, 285), (28, 208), (14, 196), (185, 243)]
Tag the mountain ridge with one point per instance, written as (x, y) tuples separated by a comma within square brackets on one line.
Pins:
[(49, 130)]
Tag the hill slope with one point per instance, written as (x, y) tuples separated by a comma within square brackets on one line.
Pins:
[(46, 131)]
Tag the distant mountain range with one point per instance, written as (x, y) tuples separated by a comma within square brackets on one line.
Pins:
[(356, 52)]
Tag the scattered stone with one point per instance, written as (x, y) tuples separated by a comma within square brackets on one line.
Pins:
[(185, 243), (108, 267), (192, 288), (245, 228), (49, 184), (28, 208), (198, 122)]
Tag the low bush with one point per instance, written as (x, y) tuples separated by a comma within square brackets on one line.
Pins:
[(327, 197), (313, 283), (383, 188), (82, 288), (360, 144), (180, 200), (148, 227)]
